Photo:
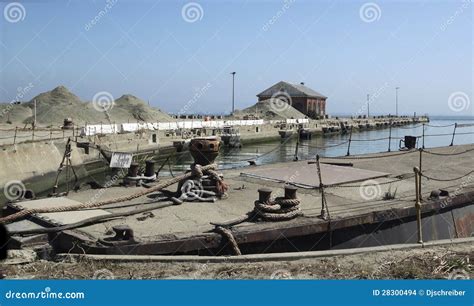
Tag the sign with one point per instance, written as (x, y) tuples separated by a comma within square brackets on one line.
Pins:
[(121, 160)]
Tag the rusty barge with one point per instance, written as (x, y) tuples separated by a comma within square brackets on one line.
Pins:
[(330, 203)]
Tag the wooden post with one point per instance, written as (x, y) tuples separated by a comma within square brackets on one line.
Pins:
[(420, 169), (389, 135), (14, 136), (423, 145), (349, 145), (454, 133), (297, 145), (33, 134), (418, 205), (324, 211), (50, 133)]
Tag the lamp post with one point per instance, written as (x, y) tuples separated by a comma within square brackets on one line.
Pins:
[(368, 106), (396, 100), (233, 86)]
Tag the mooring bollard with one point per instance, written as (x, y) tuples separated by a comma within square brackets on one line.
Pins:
[(133, 170), (149, 168), (290, 192), (264, 195)]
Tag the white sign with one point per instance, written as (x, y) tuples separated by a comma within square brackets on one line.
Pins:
[(121, 160)]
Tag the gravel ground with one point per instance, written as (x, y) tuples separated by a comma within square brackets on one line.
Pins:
[(435, 262)]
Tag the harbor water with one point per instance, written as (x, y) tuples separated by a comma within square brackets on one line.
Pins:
[(438, 133)]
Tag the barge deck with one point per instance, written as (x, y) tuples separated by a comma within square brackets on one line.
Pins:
[(370, 201)]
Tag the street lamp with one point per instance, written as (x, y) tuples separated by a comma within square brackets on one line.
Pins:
[(233, 86), (368, 106), (396, 100)]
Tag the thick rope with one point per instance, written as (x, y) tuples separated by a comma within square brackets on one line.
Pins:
[(227, 233), (280, 209), (446, 180), (28, 212), (448, 154)]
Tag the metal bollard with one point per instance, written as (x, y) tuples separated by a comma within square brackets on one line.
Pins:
[(149, 168), (290, 192), (264, 195), (133, 170)]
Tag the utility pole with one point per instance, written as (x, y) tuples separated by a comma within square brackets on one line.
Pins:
[(233, 87), (368, 106), (396, 100)]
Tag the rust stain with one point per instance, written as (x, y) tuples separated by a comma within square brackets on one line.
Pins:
[(464, 225)]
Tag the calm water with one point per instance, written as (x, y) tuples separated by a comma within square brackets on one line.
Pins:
[(281, 151)]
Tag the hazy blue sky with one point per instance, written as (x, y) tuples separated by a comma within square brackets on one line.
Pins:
[(149, 49)]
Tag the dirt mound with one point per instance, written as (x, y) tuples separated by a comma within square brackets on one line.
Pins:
[(52, 107), (271, 109), (130, 108), (14, 113)]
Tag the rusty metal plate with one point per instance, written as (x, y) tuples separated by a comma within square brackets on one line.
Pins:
[(304, 174)]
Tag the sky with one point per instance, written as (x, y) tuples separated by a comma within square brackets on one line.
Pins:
[(178, 55)]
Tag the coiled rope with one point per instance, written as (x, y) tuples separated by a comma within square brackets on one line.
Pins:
[(159, 186), (280, 209)]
